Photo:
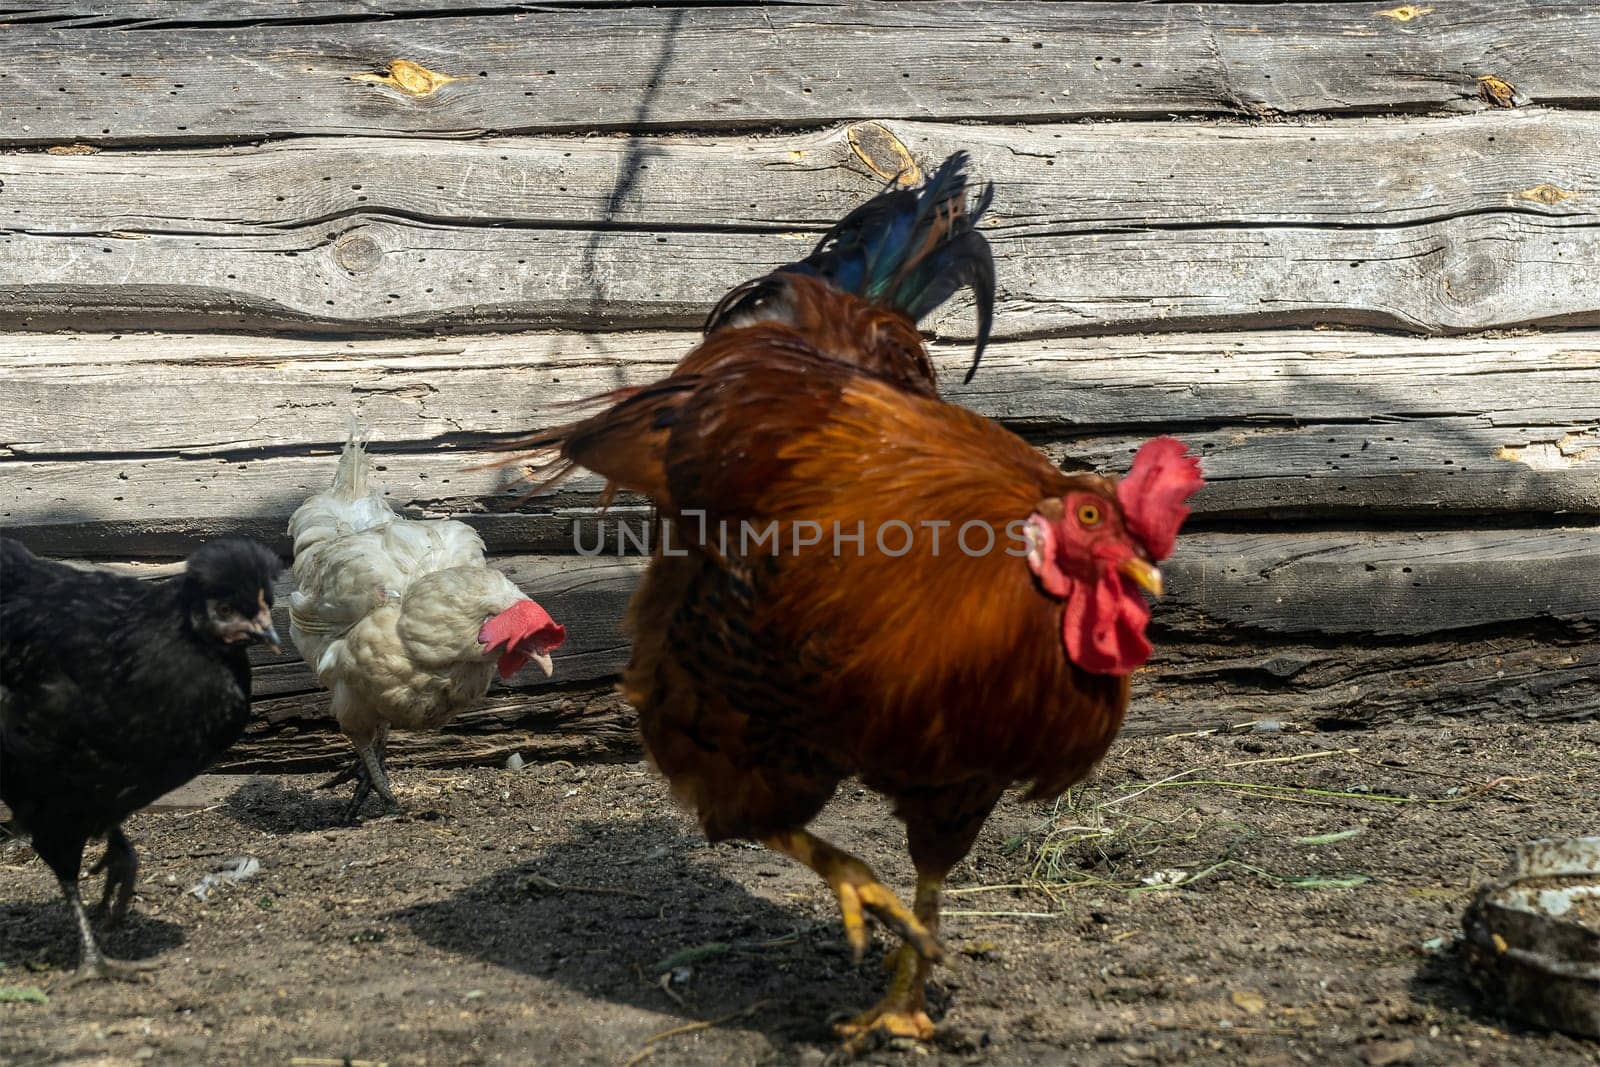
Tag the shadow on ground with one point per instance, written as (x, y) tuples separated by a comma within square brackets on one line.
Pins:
[(263, 804), (1443, 982), (43, 934), (636, 914)]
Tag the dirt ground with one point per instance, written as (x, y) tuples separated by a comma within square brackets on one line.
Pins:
[(1256, 898)]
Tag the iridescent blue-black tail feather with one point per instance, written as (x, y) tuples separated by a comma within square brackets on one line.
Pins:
[(909, 249)]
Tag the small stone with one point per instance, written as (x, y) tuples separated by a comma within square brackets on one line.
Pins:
[(1388, 1053), (1248, 1001)]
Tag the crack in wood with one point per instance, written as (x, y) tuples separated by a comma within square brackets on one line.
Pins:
[(1578, 448)]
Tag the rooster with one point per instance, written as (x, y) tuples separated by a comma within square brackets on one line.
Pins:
[(402, 620), (815, 626)]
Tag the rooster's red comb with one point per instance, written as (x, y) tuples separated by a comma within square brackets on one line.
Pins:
[(1152, 495)]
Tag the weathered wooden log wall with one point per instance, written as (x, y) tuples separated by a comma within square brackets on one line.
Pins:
[(1360, 272)]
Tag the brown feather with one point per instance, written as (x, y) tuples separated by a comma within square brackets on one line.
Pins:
[(762, 681)]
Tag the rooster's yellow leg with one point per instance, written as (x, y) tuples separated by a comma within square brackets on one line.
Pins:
[(859, 891), (902, 1011)]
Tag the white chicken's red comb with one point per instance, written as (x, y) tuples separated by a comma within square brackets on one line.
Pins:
[(519, 622), (1152, 494)]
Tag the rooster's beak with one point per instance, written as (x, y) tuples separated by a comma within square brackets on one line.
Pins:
[(1142, 572), (544, 662)]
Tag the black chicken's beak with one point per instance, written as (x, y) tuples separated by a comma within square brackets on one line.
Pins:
[(263, 632)]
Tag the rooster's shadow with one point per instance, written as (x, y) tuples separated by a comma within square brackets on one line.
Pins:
[(640, 914)]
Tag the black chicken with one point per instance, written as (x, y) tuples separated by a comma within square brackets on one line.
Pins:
[(114, 691)]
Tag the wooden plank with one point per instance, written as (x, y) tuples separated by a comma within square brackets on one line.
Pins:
[(1471, 273), (296, 734), (1535, 674), (1456, 274), (1080, 178), (208, 790), (162, 15), (197, 396), (1387, 585), (1347, 587), (1323, 629), (460, 391), (1188, 685), (272, 234), (1418, 468), (1438, 467), (232, 433), (754, 67), (1326, 629)]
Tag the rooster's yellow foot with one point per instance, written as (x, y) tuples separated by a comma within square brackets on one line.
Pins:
[(859, 892)]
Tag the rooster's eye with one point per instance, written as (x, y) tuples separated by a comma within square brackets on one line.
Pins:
[(1089, 514)]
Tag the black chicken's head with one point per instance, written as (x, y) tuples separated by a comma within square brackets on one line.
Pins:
[(228, 587)]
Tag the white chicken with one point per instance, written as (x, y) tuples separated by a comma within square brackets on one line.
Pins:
[(401, 619)]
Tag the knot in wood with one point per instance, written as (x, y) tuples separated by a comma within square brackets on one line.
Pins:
[(883, 153), (412, 79), (1496, 92), (357, 253), (1470, 279)]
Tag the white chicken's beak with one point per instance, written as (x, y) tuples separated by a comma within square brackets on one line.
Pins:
[(545, 663)]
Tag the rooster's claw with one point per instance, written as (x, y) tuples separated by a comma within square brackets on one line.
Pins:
[(859, 891), (856, 897)]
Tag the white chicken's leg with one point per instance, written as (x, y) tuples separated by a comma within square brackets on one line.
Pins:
[(351, 772), (355, 725), (369, 736), (369, 771), (372, 757)]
